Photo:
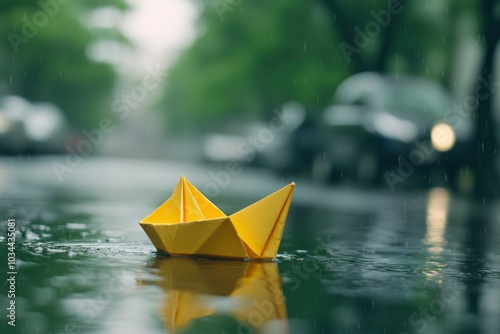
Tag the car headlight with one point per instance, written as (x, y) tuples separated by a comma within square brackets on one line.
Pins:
[(443, 137)]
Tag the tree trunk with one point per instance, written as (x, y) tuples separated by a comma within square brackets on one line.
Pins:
[(387, 39), (487, 179), (345, 29)]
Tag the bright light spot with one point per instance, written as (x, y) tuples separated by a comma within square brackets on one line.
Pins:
[(159, 30), (105, 18), (443, 137), (437, 214), (42, 123), (105, 51), (395, 128), (222, 147)]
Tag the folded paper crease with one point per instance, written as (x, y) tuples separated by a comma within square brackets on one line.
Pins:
[(188, 223)]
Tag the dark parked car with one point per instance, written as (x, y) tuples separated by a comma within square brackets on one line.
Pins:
[(388, 127), (294, 145)]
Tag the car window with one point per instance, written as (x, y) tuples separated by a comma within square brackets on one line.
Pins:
[(415, 101)]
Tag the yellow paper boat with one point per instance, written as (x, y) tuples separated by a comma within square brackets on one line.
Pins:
[(189, 224)]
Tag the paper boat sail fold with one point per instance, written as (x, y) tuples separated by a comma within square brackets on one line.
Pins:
[(189, 224), (186, 204)]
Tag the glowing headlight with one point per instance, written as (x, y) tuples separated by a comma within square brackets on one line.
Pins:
[(442, 137)]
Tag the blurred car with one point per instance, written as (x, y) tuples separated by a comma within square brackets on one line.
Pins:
[(27, 127), (391, 124), (287, 142), (232, 145), (294, 145), (13, 138)]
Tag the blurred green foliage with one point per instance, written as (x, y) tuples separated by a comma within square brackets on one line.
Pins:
[(251, 60), (251, 57), (44, 56)]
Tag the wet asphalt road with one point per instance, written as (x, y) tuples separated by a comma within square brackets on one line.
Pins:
[(351, 260)]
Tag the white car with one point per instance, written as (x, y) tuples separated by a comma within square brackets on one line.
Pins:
[(27, 127)]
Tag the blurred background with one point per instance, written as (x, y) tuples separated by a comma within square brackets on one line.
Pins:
[(385, 114), (365, 83)]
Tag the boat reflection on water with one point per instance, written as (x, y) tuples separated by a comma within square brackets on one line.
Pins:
[(223, 296)]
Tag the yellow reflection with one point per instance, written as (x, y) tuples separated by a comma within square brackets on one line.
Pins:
[(250, 292), (437, 213)]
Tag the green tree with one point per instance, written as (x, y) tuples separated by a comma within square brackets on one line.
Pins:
[(251, 59), (44, 56)]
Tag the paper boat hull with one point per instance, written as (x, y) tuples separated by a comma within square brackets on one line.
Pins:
[(188, 224), (205, 238)]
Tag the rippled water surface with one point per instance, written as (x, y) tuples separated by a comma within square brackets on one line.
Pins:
[(351, 261)]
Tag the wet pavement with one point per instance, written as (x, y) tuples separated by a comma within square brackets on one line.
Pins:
[(351, 260)]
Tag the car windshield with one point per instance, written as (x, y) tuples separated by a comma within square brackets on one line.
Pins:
[(415, 101)]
